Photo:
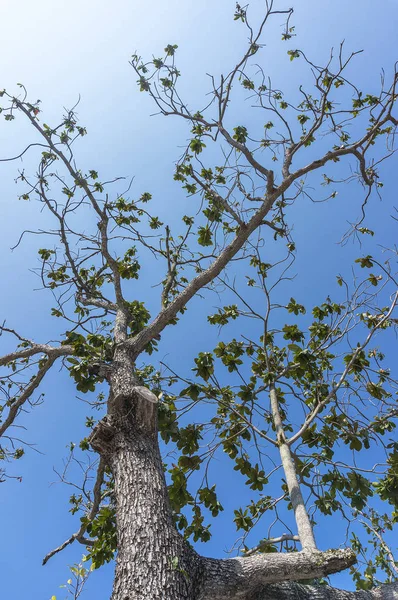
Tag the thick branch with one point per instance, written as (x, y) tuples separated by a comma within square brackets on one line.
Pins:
[(98, 302), (36, 349), (296, 591), (139, 342), (245, 578)]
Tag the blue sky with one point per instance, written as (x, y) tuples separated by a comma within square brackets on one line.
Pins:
[(60, 50)]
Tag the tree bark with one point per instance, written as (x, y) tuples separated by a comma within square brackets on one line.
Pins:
[(241, 577), (296, 591), (153, 561), (304, 527)]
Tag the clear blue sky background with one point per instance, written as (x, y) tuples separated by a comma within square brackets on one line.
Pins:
[(61, 49)]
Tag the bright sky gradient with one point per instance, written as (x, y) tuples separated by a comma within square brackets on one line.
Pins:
[(60, 50)]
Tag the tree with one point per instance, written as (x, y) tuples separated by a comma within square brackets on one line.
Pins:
[(299, 389)]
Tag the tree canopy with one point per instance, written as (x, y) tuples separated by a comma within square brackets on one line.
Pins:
[(290, 395)]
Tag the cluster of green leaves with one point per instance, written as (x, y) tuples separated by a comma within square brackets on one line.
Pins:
[(246, 518), (374, 558), (387, 487), (126, 213), (353, 486), (188, 513), (103, 530), (88, 350)]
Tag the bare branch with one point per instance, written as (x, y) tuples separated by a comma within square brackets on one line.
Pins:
[(51, 351), (233, 577), (26, 394), (79, 535)]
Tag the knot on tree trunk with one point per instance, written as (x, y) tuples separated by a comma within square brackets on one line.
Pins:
[(132, 412), (102, 436), (136, 410), (100, 369)]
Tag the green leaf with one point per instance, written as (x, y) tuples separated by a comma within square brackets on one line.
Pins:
[(365, 262), (295, 308), (196, 145), (240, 134), (373, 279), (192, 391), (248, 84), (205, 236), (170, 49), (293, 54), (302, 119), (204, 365), (293, 333), (376, 390)]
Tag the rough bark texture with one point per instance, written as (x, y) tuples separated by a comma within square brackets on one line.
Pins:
[(153, 560), (240, 577), (295, 591)]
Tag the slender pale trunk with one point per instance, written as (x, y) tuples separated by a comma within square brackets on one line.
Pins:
[(303, 522)]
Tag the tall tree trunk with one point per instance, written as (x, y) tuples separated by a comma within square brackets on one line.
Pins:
[(153, 561)]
